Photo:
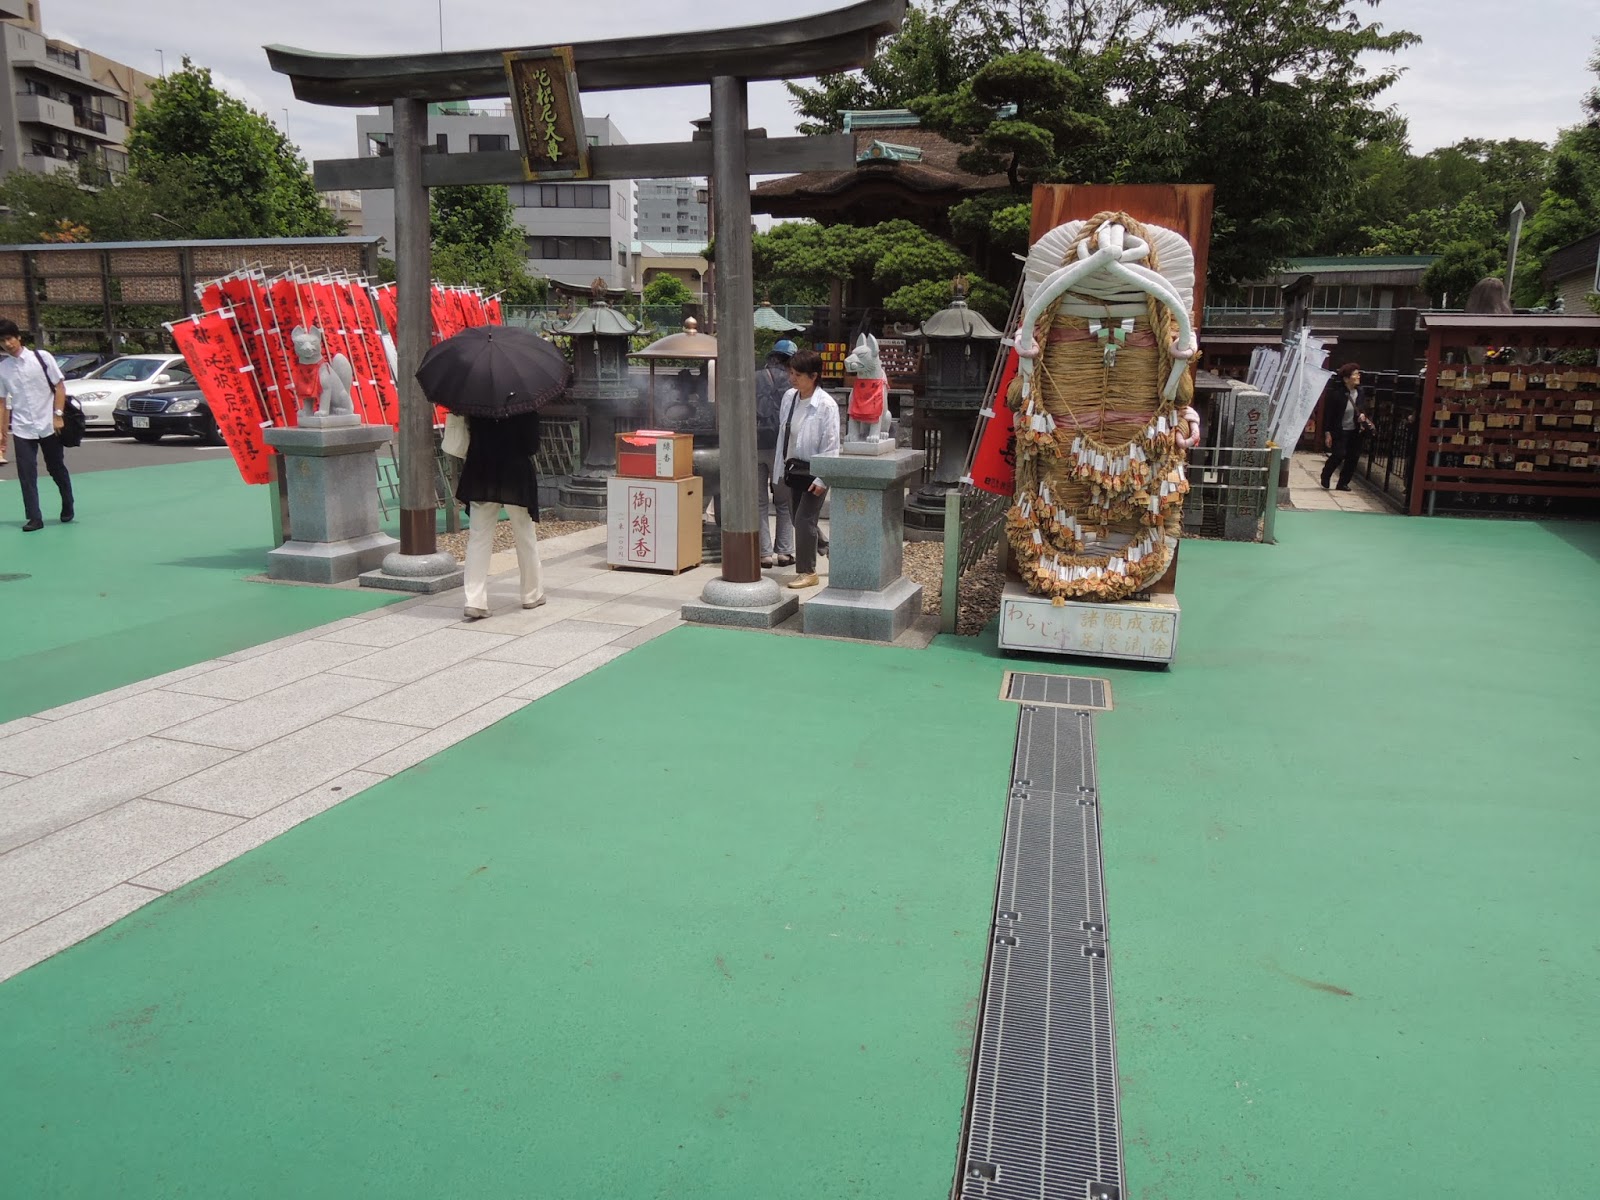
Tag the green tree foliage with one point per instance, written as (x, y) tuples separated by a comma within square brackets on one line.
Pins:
[(1266, 99), (667, 291), (895, 265), (226, 171), (1021, 114), (1430, 230), (929, 56), (1569, 208), (1461, 265), (478, 243)]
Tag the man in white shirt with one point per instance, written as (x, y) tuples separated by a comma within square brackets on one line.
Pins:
[(33, 401)]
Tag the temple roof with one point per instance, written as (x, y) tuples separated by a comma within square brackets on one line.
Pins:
[(932, 173)]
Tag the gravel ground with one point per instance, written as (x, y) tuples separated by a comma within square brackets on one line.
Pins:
[(456, 543), (980, 590)]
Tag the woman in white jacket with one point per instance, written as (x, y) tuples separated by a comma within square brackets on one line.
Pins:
[(808, 426)]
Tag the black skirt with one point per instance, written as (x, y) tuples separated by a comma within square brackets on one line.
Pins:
[(499, 467)]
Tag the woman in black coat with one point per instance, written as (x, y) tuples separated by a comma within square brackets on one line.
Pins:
[(1344, 420), (499, 473)]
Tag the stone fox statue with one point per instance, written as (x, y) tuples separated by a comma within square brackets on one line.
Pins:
[(869, 394), (321, 386)]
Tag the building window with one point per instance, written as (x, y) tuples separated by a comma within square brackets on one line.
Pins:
[(574, 195), (561, 248), (441, 143), (488, 143)]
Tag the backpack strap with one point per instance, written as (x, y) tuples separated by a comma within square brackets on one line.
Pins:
[(45, 371)]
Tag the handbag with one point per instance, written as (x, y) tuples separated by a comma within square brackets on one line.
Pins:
[(797, 473), (457, 437)]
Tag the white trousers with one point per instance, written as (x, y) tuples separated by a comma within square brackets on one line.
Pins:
[(480, 545)]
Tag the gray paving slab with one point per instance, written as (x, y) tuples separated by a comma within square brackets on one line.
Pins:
[(63, 869), (268, 672), (561, 676), (49, 937), (224, 848), (246, 724), (423, 656), (393, 629), (20, 725), (249, 784), (635, 610), (426, 745), (66, 795), (650, 632), (512, 619), (88, 703), (448, 693), (558, 644), (53, 744), (305, 635), (8, 780)]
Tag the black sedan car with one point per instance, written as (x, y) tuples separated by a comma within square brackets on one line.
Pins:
[(151, 415)]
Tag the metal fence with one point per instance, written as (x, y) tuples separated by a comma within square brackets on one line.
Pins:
[(974, 523), (1233, 493), (1389, 457)]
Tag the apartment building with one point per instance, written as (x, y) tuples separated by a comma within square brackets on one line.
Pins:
[(574, 232), (673, 210), (62, 108)]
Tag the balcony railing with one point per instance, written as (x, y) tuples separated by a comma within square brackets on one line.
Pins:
[(85, 119), (67, 58), (1226, 317)]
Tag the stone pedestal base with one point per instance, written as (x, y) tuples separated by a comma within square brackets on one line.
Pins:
[(331, 467), (875, 616), (1133, 630), (761, 604), (424, 574), (581, 498), (871, 449), (867, 595)]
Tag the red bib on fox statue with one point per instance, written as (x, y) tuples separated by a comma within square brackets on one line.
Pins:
[(868, 399)]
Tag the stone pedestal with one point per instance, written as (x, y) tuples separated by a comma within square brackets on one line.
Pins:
[(1132, 630), (867, 596), (331, 466)]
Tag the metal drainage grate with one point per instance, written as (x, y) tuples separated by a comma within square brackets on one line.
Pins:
[(1057, 691), (1042, 1113)]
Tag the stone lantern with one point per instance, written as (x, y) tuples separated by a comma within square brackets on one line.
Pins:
[(609, 398), (960, 348)]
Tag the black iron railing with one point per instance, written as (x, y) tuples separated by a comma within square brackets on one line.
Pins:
[(1390, 453)]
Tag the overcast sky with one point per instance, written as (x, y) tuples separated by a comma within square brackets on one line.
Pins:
[(1485, 68)]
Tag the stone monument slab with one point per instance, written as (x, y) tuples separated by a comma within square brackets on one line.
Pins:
[(332, 474)]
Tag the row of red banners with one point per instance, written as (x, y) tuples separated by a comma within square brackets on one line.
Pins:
[(241, 351)]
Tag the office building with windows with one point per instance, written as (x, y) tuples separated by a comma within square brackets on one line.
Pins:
[(673, 210), (62, 108), (574, 232)]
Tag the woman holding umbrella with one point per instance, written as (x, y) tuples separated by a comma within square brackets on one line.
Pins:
[(498, 378)]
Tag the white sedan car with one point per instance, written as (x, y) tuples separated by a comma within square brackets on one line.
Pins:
[(97, 393)]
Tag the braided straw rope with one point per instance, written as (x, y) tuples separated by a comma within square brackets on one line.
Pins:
[(1110, 468)]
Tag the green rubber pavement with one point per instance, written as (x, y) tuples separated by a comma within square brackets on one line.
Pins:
[(695, 924), (710, 921), (147, 580)]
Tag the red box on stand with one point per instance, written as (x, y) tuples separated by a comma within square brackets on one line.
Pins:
[(655, 454)]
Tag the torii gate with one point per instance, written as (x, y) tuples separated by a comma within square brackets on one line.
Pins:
[(544, 84)]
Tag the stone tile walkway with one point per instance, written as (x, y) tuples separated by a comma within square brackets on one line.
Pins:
[(110, 801), (1305, 490)]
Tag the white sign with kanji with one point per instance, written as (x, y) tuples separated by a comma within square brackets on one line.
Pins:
[(642, 515), (1141, 630)]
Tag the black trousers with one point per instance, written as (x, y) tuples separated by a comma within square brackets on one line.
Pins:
[(807, 507), (55, 461), (1346, 450)]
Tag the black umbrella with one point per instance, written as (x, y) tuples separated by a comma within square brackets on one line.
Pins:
[(493, 371)]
